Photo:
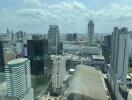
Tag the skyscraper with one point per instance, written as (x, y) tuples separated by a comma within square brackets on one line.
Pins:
[(118, 71), (8, 32), (69, 37), (53, 38), (20, 35), (1, 57), (18, 79), (37, 48), (107, 41), (90, 32), (74, 36), (58, 73), (120, 53), (39, 57)]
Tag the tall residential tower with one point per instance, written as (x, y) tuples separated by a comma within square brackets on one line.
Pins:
[(18, 79)]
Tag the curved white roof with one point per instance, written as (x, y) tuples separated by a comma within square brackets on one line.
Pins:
[(88, 83), (17, 61)]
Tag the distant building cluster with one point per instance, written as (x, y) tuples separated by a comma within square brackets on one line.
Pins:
[(74, 67)]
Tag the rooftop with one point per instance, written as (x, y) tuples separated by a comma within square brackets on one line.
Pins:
[(88, 82), (98, 57), (17, 61)]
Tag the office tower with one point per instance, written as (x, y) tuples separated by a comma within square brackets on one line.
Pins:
[(39, 57), (120, 53), (69, 37), (107, 41), (37, 48), (7, 31), (20, 35), (1, 57), (58, 74), (60, 48), (74, 36), (53, 38), (90, 33), (18, 79), (118, 71), (107, 48)]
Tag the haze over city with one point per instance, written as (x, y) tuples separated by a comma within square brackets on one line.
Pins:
[(66, 50), (71, 16)]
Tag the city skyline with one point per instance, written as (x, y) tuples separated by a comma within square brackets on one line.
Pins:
[(71, 16)]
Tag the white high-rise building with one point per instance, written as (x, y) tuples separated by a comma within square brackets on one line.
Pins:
[(118, 70), (120, 53), (18, 79), (90, 32), (58, 73)]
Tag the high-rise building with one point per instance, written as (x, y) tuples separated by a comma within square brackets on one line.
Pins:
[(74, 36), (7, 31), (118, 71), (90, 32), (60, 48), (120, 52), (37, 48), (58, 73), (107, 41), (53, 38), (18, 79), (20, 35), (1, 57), (69, 37), (106, 48), (39, 57)]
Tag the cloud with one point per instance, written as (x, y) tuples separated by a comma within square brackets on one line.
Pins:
[(77, 11), (34, 2), (73, 16)]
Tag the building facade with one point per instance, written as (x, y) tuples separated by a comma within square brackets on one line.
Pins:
[(39, 57), (120, 53), (18, 79), (53, 39), (90, 33), (58, 74), (1, 57), (118, 70), (107, 41)]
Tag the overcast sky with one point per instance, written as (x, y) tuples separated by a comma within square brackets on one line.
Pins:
[(71, 16)]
